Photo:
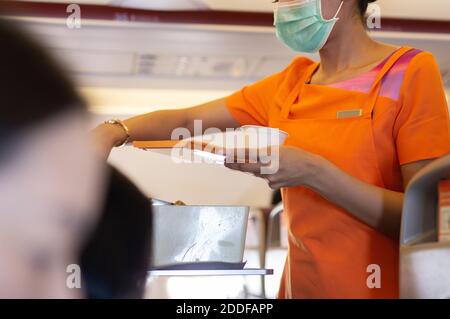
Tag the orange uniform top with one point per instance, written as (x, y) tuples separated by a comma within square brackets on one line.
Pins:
[(367, 126)]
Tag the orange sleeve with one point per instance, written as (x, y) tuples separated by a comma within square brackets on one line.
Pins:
[(421, 129), (250, 105)]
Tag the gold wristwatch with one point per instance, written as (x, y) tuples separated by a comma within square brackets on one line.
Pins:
[(123, 126)]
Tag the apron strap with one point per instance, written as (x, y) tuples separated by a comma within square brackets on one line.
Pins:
[(376, 87)]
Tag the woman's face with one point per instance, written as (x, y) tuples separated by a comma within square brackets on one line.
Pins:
[(49, 198)]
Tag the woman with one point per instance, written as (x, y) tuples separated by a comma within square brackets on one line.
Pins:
[(361, 122)]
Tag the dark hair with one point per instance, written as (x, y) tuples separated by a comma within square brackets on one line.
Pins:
[(32, 86), (116, 257), (363, 5)]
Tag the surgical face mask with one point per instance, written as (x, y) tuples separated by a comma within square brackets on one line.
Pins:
[(300, 25)]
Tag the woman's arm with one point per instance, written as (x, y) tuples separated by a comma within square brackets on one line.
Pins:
[(159, 125), (377, 207)]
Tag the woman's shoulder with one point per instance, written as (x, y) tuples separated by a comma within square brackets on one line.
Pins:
[(420, 74), (417, 62), (409, 68), (418, 54), (299, 65), (294, 71), (301, 61), (416, 59), (286, 78)]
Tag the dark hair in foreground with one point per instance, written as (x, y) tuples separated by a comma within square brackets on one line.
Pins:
[(116, 257), (33, 87)]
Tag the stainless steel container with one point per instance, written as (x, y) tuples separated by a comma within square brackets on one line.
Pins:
[(195, 234)]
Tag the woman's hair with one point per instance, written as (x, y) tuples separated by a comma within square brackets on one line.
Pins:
[(33, 87), (363, 5), (116, 257)]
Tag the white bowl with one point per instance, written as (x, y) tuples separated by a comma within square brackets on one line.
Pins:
[(267, 136), (248, 136)]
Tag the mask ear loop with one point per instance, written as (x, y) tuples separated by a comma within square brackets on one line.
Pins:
[(337, 12)]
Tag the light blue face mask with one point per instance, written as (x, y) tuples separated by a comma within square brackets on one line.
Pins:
[(301, 26)]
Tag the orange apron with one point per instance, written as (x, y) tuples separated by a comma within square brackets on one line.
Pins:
[(329, 249)]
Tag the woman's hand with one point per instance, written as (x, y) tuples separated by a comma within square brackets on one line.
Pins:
[(377, 207), (106, 137), (295, 166)]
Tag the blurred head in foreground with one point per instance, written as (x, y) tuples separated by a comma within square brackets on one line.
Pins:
[(50, 176), (116, 258)]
